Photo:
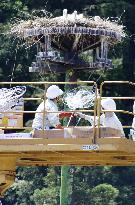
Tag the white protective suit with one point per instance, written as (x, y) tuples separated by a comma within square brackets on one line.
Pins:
[(109, 119), (51, 119)]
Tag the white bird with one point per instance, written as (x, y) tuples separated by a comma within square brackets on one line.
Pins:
[(65, 13), (97, 18), (75, 14)]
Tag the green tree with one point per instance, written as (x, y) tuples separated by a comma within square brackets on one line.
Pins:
[(104, 194), (12, 10), (49, 193)]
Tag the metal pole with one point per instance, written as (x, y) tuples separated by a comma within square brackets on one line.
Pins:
[(66, 189), (65, 185)]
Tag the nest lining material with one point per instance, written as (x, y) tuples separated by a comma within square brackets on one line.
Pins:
[(46, 26)]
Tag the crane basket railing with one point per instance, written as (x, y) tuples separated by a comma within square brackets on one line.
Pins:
[(116, 98), (35, 97), (23, 113)]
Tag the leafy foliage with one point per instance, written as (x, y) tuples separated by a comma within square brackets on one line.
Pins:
[(104, 194)]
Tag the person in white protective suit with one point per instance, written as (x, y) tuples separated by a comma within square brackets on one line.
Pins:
[(107, 119), (51, 119)]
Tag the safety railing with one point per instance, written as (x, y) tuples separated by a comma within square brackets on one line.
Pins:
[(33, 96), (101, 96), (29, 99)]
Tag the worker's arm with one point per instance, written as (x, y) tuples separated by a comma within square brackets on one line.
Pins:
[(88, 118), (65, 114), (53, 116), (119, 127)]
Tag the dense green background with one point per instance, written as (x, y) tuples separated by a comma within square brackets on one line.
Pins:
[(90, 185)]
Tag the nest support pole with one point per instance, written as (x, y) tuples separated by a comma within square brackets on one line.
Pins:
[(66, 187)]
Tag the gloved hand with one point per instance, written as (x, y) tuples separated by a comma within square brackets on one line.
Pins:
[(58, 127), (32, 133), (65, 114)]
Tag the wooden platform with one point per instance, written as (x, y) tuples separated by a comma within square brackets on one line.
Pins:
[(45, 152), (25, 152)]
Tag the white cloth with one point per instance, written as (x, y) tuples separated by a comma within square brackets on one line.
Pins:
[(51, 119), (107, 121)]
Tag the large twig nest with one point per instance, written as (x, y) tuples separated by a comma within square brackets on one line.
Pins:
[(69, 23)]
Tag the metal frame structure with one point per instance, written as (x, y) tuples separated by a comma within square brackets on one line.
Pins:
[(92, 150)]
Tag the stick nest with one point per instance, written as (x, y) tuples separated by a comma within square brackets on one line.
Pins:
[(69, 21)]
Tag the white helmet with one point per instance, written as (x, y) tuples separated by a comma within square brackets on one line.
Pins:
[(108, 104), (53, 91)]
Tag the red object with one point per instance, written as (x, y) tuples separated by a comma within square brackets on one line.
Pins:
[(65, 114), (58, 127)]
